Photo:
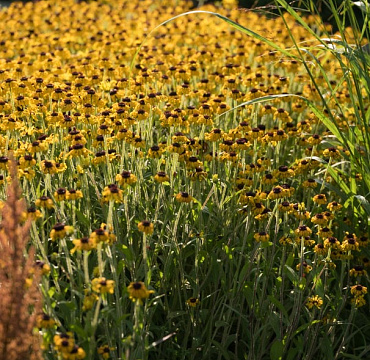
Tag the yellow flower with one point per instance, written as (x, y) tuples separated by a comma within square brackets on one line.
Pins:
[(358, 271), (285, 206), (320, 199), (26, 161), (44, 267), (44, 321), (60, 231), (60, 194), (64, 342), (303, 230), (314, 301), (184, 197), (319, 219), (102, 286), (32, 214), (99, 235), (262, 236), (320, 249), (214, 135), (325, 232), (112, 193), (332, 242), (146, 227), (104, 351), (155, 152), (44, 202), (332, 152), (310, 183), (76, 353), (85, 243), (306, 268), (89, 300), (193, 302), (138, 291), (73, 194), (161, 177), (358, 290), (358, 301), (77, 150), (276, 193), (126, 178), (61, 167), (48, 167)]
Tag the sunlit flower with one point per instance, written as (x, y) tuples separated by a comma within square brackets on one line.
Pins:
[(44, 321), (161, 177), (44, 202), (320, 199), (73, 194), (262, 236), (314, 301), (60, 231), (303, 231), (334, 206), (184, 197), (64, 342), (32, 213), (358, 290), (102, 286), (89, 300), (146, 227), (85, 243), (60, 194), (43, 266), (138, 291), (112, 193), (126, 178)]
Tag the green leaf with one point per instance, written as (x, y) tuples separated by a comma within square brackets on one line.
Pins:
[(127, 252), (82, 218), (51, 292), (221, 323), (248, 293), (221, 349), (319, 287), (277, 350), (292, 275), (364, 203), (79, 330), (279, 305), (305, 326)]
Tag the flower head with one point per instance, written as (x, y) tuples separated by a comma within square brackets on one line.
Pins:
[(60, 231), (314, 302), (146, 227), (138, 291), (184, 197), (193, 302), (102, 285)]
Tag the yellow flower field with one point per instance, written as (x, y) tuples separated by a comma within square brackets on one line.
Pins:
[(193, 191)]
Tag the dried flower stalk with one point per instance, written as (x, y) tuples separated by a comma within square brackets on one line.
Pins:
[(20, 298)]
